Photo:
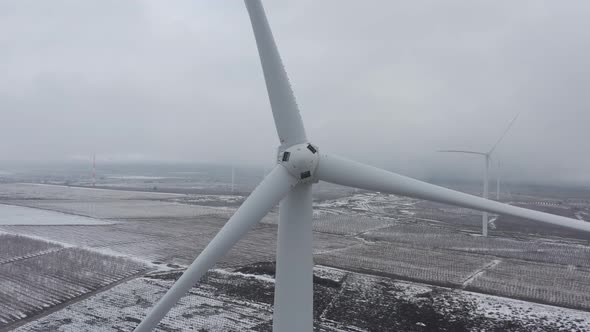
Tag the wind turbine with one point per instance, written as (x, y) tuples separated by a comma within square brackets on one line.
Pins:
[(487, 157), (497, 179), (233, 177), (94, 170), (299, 165)]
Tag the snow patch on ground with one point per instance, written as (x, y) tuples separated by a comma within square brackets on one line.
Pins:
[(501, 308), (114, 253), (264, 277)]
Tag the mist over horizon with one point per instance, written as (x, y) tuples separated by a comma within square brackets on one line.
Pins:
[(384, 83), (40, 171)]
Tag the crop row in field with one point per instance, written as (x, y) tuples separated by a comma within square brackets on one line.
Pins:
[(552, 284), (433, 266), (15, 247), (348, 224), (343, 301), (31, 285), (174, 240), (477, 269), (425, 236)]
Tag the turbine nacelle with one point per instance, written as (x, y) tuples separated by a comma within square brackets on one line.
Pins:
[(301, 161)]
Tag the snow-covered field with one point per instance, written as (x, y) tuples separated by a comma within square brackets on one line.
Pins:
[(235, 301), (103, 203), (32, 191), (19, 215), (125, 209), (134, 177), (36, 275), (366, 233), (173, 239)]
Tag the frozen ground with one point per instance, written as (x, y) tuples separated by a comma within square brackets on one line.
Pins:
[(175, 241), (380, 235), (237, 301), (18, 215), (103, 203), (34, 191), (36, 275)]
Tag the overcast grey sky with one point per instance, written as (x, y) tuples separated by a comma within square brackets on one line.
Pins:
[(386, 82)]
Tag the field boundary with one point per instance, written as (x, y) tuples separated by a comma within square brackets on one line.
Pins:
[(37, 254), (60, 306)]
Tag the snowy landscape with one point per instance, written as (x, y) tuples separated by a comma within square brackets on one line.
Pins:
[(428, 161), (76, 258)]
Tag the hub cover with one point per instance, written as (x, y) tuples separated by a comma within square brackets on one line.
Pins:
[(301, 161)]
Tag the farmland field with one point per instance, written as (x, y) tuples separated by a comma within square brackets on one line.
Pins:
[(564, 287), (363, 241), (228, 300), (18, 215), (437, 267), (41, 275)]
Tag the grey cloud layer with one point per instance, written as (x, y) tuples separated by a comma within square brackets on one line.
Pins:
[(386, 82)]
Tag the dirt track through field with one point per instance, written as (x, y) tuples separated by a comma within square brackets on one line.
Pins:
[(479, 272)]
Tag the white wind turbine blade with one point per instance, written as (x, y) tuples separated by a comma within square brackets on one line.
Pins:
[(345, 172), (293, 309), (282, 101), (268, 193), (486, 183), (464, 151), (497, 180), (503, 134)]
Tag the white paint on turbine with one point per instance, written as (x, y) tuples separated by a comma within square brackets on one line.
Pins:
[(486, 182), (282, 100), (293, 302)]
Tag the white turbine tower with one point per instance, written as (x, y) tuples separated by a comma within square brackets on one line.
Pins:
[(233, 178), (487, 156), (497, 179), (299, 165), (94, 170)]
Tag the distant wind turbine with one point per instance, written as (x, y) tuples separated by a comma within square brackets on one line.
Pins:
[(301, 164), (497, 179), (94, 170), (487, 157), (233, 178)]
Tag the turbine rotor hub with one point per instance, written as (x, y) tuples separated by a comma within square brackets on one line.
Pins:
[(301, 160)]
